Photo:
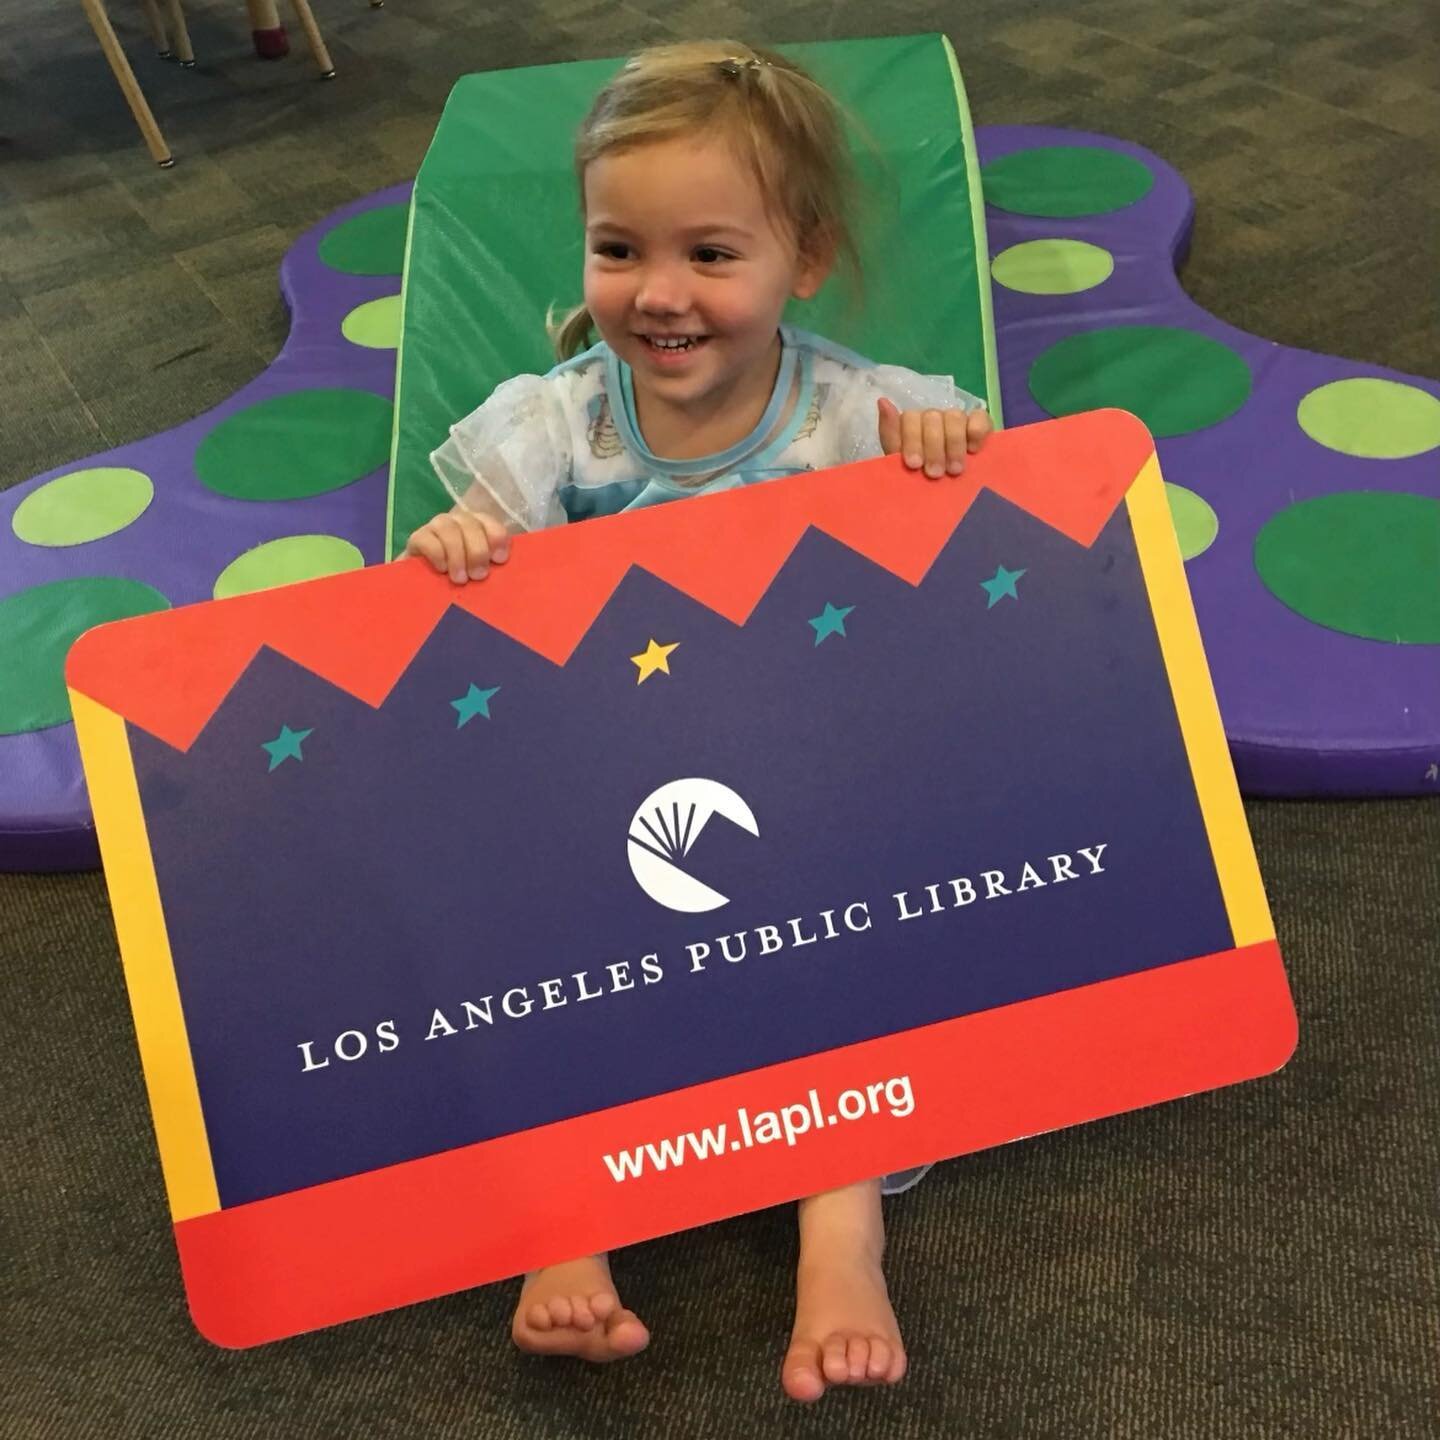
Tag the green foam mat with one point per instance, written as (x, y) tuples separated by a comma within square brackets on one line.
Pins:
[(495, 238)]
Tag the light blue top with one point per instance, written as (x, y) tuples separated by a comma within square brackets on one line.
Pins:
[(547, 449)]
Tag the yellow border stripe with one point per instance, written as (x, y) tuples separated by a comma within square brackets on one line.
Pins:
[(1195, 704), (145, 953)]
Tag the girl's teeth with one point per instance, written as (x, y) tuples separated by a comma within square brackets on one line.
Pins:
[(671, 344)]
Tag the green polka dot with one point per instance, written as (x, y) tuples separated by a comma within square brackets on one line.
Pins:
[(372, 243), (82, 506), (296, 445), (1062, 181), (1176, 381), (1196, 524), (285, 562), (1375, 419), (1365, 562), (375, 325), (1052, 267), (37, 628)]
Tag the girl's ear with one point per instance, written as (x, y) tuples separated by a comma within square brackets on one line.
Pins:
[(812, 268)]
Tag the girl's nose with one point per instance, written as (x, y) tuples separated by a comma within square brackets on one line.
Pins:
[(662, 291)]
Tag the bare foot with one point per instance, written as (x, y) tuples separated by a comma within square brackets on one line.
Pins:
[(572, 1309), (845, 1331)]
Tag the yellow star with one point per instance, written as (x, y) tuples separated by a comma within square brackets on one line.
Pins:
[(656, 657)]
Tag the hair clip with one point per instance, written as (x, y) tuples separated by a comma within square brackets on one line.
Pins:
[(733, 65)]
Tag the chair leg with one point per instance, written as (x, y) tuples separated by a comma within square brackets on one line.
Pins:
[(156, 21), (176, 16), (271, 41), (312, 34), (134, 96)]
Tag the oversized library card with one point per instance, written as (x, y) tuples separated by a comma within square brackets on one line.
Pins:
[(699, 859)]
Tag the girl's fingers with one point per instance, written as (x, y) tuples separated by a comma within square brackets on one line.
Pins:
[(955, 441), (912, 440), (977, 426), (889, 422), (474, 545), (452, 540), (462, 544), (497, 538), (426, 544), (932, 434)]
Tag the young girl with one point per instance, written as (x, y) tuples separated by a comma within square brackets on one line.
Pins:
[(713, 178)]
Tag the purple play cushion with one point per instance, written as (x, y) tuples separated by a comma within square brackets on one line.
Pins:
[(189, 533), (1308, 710)]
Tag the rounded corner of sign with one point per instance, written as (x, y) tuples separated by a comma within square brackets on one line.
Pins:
[(1283, 1043), (213, 1324), (77, 661), (1128, 422)]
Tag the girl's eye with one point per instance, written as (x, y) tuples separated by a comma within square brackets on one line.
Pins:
[(613, 250), (710, 255)]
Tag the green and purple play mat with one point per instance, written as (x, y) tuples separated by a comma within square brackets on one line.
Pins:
[(1304, 488)]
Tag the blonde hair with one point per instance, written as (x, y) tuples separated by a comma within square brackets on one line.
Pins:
[(783, 125)]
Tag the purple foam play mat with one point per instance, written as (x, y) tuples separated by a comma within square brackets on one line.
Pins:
[(1305, 488)]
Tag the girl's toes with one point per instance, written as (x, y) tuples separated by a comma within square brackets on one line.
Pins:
[(626, 1332), (537, 1316), (833, 1362), (581, 1316), (603, 1305), (879, 1366), (560, 1311), (799, 1374), (857, 1356)]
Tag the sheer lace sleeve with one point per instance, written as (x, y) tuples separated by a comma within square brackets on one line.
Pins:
[(509, 457)]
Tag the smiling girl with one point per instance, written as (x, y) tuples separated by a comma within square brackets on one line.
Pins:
[(713, 178)]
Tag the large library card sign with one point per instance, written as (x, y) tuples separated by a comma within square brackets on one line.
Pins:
[(699, 859)]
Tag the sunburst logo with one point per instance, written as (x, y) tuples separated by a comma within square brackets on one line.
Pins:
[(664, 831)]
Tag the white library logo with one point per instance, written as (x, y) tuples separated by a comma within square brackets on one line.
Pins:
[(664, 830)]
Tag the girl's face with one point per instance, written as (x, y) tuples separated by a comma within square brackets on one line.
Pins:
[(686, 274)]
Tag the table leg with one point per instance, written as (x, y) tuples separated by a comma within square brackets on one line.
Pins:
[(135, 98)]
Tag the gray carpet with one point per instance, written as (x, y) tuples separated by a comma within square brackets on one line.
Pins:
[(1258, 1262)]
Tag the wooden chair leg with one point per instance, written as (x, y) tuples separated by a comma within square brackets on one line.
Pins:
[(176, 18), (312, 34), (271, 41), (156, 21), (134, 96)]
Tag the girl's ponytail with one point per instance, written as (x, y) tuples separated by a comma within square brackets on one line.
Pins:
[(572, 335)]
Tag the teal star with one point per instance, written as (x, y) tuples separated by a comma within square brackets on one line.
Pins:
[(1001, 584), (472, 703), (830, 622), (285, 746)]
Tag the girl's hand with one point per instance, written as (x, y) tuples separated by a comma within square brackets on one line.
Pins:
[(463, 543), (937, 440)]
